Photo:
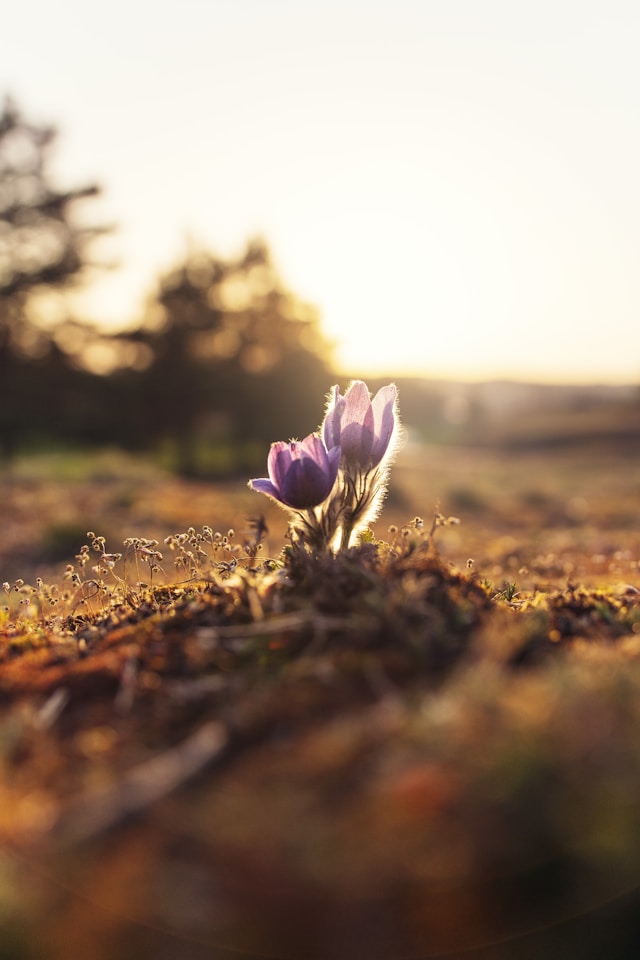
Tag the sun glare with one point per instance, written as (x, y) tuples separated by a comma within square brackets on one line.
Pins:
[(457, 195)]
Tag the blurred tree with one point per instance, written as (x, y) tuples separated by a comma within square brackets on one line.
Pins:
[(41, 248), (234, 358), (226, 358)]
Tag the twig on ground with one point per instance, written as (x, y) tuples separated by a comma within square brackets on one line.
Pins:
[(98, 812)]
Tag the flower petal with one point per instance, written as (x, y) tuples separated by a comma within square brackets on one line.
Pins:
[(313, 447), (334, 456), (358, 401), (357, 425), (333, 416), (278, 462), (384, 413), (262, 485), (306, 484)]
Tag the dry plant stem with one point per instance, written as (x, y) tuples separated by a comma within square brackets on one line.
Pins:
[(316, 624), (103, 810)]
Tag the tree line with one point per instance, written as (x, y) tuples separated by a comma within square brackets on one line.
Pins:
[(224, 359)]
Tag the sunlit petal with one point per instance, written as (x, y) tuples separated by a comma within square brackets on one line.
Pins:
[(384, 413), (333, 416), (262, 485)]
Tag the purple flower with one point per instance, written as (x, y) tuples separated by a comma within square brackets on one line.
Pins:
[(362, 427), (301, 473)]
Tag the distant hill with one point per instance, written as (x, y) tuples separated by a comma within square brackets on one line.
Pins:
[(509, 413)]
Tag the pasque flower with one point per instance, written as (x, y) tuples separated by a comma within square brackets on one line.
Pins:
[(334, 483), (366, 431), (301, 473), (361, 427)]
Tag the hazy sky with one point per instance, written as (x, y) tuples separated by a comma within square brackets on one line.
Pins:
[(456, 184)]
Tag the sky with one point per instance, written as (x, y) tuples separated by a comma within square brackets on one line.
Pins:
[(455, 185)]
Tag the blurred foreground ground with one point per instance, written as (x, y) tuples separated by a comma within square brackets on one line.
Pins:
[(387, 755)]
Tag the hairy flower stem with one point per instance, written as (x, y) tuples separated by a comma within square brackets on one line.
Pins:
[(316, 527), (360, 503)]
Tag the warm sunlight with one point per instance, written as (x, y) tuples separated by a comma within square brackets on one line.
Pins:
[(456, 190), (319, 567)]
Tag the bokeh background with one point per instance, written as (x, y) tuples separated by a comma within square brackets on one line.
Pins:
[(451, 187)]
